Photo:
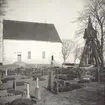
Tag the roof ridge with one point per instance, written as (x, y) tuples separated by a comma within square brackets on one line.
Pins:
[(27, 21)]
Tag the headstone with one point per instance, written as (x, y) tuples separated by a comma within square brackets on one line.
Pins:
[(28, 93), (37, 90), (50, 80), (6, 72), (55, 87)]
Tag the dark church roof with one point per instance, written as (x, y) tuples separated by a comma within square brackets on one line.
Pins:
[(19, 30)]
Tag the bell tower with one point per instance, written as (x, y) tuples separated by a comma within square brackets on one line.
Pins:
[(92, 52)]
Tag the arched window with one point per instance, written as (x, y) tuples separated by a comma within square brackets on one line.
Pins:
[(29, 54)]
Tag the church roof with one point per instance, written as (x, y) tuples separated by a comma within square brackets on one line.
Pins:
[(20, 30)]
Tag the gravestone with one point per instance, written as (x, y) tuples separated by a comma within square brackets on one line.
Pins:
[(55, 87), (50, 79), (28, 93), (37, 90), (6, 72), (14, 84)]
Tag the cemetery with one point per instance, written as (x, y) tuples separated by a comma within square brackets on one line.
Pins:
[(30, 86), (15, 86)]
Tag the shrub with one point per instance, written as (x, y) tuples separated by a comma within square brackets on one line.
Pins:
[(26, 77), (20, 83), (7, 79), (66, 77), (69, 87), (41, 78), (84, 81)]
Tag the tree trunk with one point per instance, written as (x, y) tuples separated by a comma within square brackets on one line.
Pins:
[(102, 60)]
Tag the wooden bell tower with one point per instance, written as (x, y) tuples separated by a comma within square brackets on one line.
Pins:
[(92, 52)]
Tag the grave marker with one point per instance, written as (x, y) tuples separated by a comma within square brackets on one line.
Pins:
[(37, 90), (14, 84), (50, 79), (6, 72), (28, 93), (55, 87)]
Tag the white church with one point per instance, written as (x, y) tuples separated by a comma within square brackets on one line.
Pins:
[(29, 42)]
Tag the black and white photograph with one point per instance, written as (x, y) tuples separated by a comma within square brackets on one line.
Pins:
[(52, 52)]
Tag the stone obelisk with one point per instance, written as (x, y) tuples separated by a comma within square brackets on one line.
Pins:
[(28, 91), (37, 90)]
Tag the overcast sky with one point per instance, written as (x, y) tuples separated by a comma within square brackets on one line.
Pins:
[(62, 13)]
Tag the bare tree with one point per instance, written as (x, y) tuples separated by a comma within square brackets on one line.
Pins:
[(67, 46), (3, 4), (95, 9), (78, 53)]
